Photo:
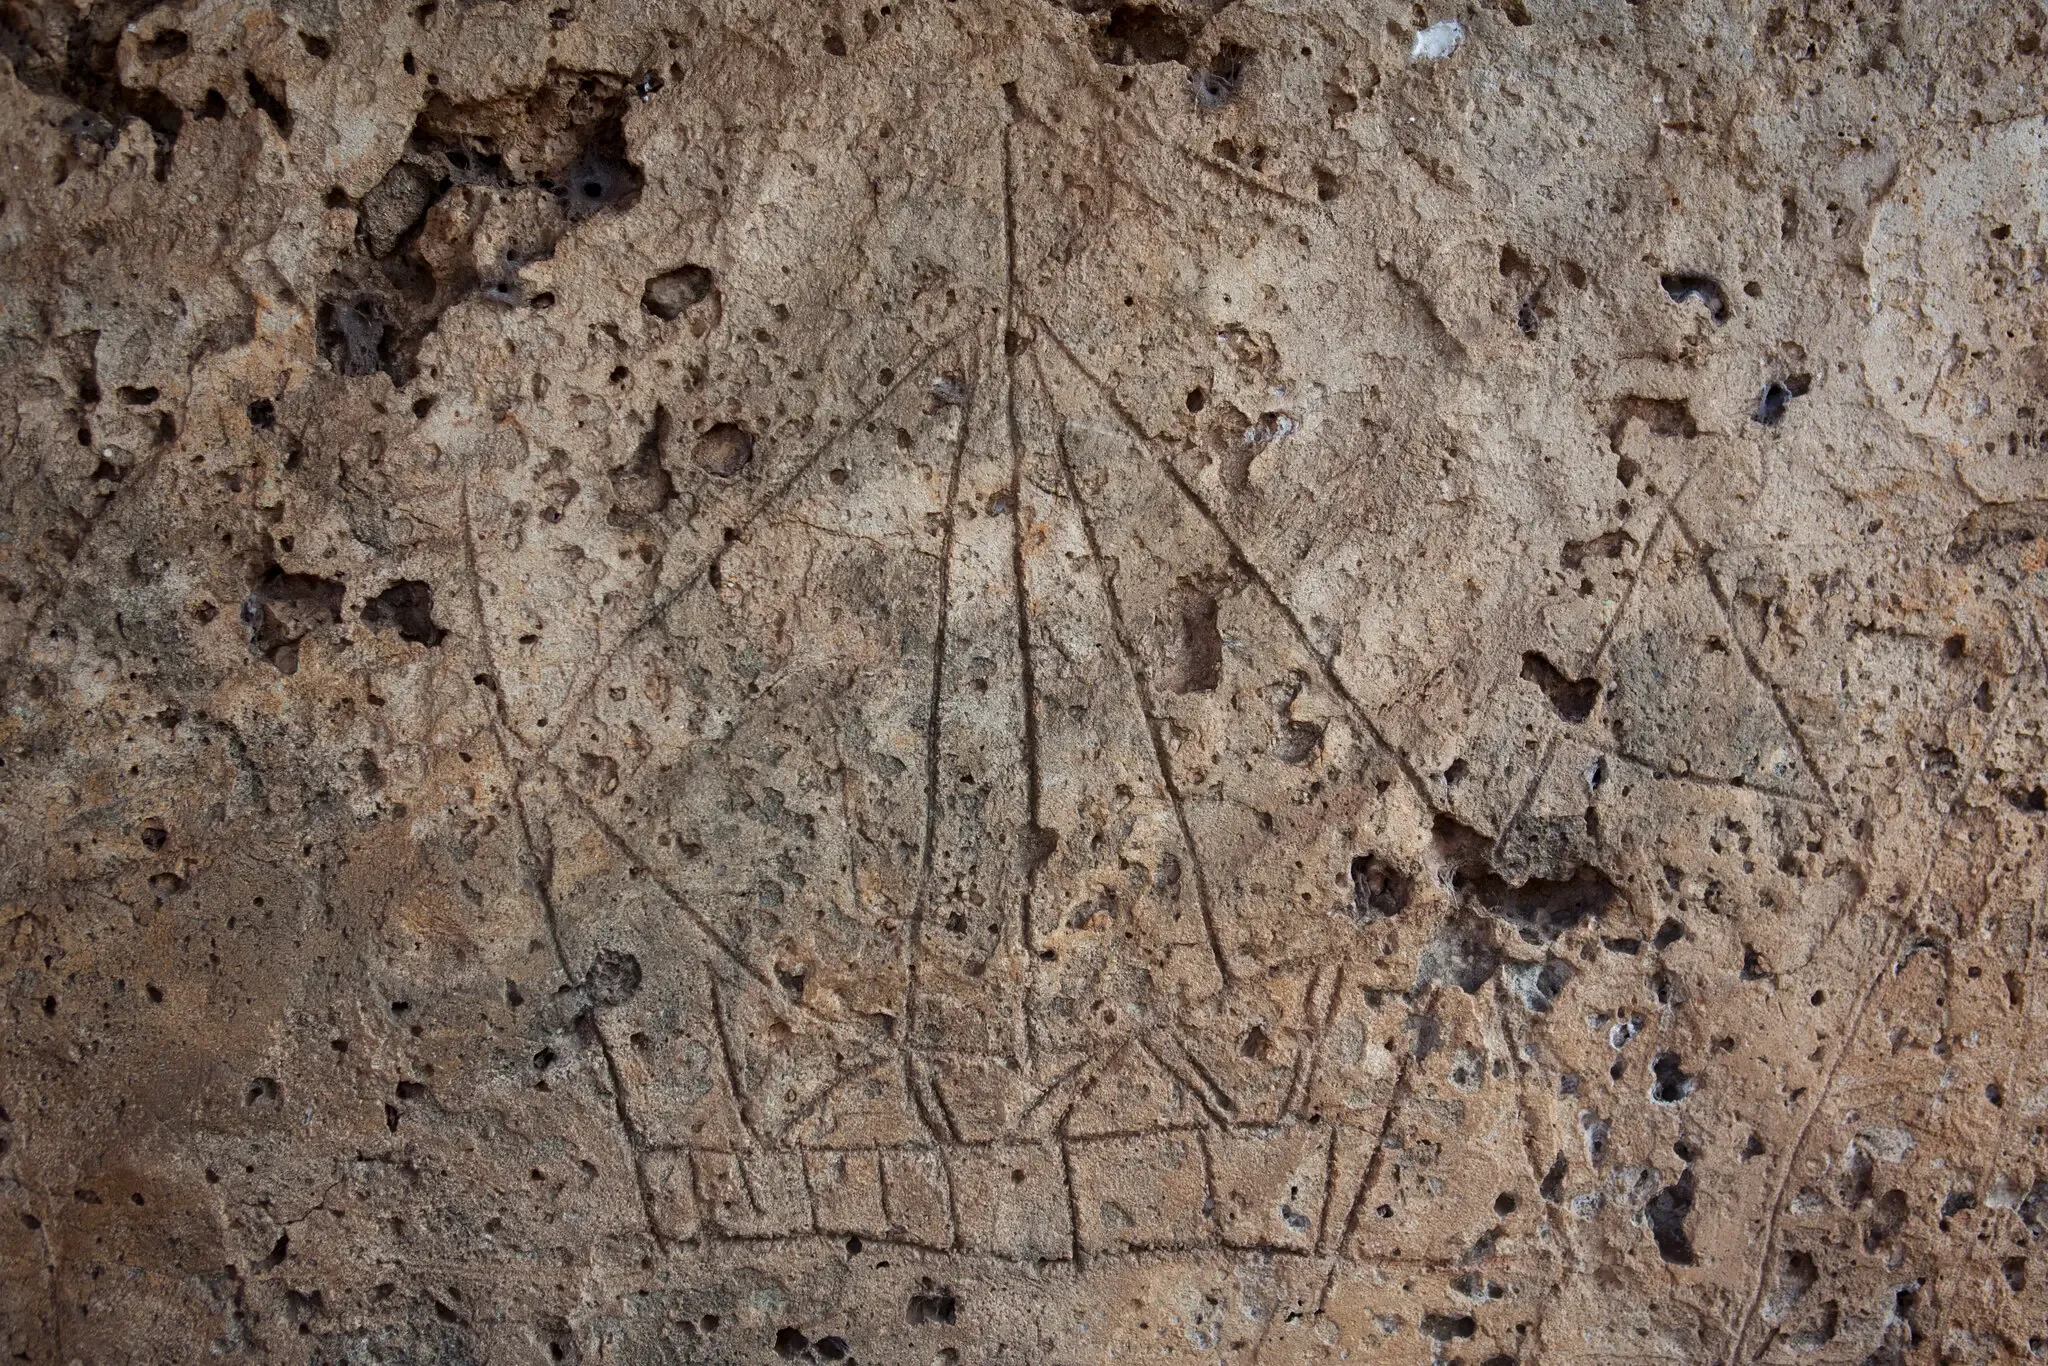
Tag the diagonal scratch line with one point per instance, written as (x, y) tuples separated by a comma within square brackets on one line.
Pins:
[(542, 873), (691, 913), (483, 622), (931, 727), (1664, 516), (1094, 1065), (1257, 184), (128, 491), (1655, 773), (1144, 698), (1314, 1049), (1749, 662), (1628, 592), (1026, 666), (1500, 1020), (1528, 800), (1195, 1077), (2025, 1050), (730, 1059), (931, 1081), (1146, 131), (1324, 665), (1404, 1081), (866, 1067), (540, 863), (1893, 937), (1895, 934), (919, 1105), (1329, 1189), (580, 695), (1297, 1075)]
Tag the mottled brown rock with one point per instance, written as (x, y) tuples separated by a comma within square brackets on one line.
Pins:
[(960, 682)]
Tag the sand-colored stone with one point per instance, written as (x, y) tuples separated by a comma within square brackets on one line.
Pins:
[(982, 681)]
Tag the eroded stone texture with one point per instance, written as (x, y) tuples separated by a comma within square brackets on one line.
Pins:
[(975, 681)]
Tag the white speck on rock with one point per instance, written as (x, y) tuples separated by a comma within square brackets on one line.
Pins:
[(1437, 42)]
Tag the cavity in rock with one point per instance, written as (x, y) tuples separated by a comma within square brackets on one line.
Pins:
[(1707, 290), (1537, 985), (667, 296), (1666, 1215), (724, 450), (1379, 890), (1771, 404), (1460, 954), (1571, 698), (407, 605), (614, 977)]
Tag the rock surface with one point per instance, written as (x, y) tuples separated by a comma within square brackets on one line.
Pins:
[(972, 681)]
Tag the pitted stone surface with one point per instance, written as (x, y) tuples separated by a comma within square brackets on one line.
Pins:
[(970, 681)]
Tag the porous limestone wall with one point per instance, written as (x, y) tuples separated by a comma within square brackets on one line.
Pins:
[(976, 681)]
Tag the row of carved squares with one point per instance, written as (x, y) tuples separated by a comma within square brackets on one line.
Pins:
[(1183, 1188)]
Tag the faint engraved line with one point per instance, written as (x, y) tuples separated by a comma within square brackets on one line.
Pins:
[(957, 1235), (1195, 1086), (483, 623), (1501, 1021), (696, 918), (1895, 934), (1315, 1042), (747, 1183), (1297, 1071), (1096, 148), (926, 856), (853, 835), (1324, 665), (803, 1167), (1225, 1105), (1543, 762), (1403, 1081), (1212, 1208), (1257, 183), (1217, 1253), (1329, 1189), (1642, 567), (934, 1131), (1095, 1136), (635, 1143), (1948, 354), (1073, 1202), (1026, 667), (865, 1067), (1143, 690), (741, 1107), (955, 1050), (1221, 1254), (131, 486), (1096, 1066), (540, 869), (1122, 124), (1658, 773), (580, 694), (2025, 1050), (945, 1107), (1749, 662)]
